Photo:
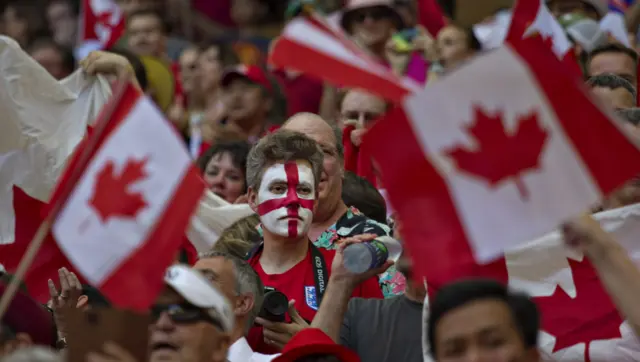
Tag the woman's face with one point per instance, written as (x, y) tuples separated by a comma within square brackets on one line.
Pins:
[(14, 26), (188, 69), (210, 68), (224, 178), (453, 46)]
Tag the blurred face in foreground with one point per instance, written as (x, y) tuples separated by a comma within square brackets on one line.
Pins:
[(182, 332), (481, 331), (372, 26)]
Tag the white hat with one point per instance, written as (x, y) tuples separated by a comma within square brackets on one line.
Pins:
[(199, 291)]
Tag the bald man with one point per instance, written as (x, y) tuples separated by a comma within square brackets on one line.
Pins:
[(333, 220)]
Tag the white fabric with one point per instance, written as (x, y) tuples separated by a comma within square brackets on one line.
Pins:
[(512, 219), (42, 122), (614, 24), (240, 351), (199, 291), (96, 245), (546, 25), (542, 264), (212, 216)]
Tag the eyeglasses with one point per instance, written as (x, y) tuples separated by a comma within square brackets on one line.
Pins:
[(374, 14), (184, 314)]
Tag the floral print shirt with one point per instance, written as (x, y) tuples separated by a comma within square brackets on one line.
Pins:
[(352, 223)]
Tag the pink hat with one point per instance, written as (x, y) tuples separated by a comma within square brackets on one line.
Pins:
[(312, 341), (352, 7)]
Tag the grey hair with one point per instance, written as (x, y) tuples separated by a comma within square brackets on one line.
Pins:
[(612, 81), (247, 282), (282, 146), (33, 354), (337, 134), (631, 115)]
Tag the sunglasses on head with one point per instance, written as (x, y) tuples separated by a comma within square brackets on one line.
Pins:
[(184, 314), (373, 13)]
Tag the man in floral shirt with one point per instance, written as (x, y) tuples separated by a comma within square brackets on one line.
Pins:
[(333, 220)]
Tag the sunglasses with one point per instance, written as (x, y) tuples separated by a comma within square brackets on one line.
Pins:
[(184, 314), (373, 14)]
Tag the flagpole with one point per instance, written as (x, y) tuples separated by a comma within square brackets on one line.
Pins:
[(45, 227)]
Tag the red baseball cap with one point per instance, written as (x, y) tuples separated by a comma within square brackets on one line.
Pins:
[(253, 73), (25, 315), (312, 341)]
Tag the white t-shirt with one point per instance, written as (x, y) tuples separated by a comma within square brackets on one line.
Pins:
[(240, 351)]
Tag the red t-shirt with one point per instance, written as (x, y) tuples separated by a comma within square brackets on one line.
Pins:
[(298, 283)]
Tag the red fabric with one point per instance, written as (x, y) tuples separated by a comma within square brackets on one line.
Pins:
[(293, 284), (312, 341), (218, 11), (430, 16), (90, 21), (358, 159), (178, 92), (303, 92)]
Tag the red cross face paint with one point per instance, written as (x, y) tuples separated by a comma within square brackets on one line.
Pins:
[(285, 199)]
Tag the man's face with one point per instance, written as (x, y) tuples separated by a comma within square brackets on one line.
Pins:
[(51, 60), (220, 272), (361, 107), (617, 63), (286, 199), (244, 100), (561, 7), (194, 341), (372, 26), (145, 35), (618, 98), (330, 186), (481, 331)]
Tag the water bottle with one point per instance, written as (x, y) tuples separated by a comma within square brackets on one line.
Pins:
[(360, 257)]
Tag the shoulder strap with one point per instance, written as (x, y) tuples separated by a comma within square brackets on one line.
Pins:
[(319, 272)]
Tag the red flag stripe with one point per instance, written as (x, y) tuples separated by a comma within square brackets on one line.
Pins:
[(143, 270), (573, 105), (525, 13), (289, 54)]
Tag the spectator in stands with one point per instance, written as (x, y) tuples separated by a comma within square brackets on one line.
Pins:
[(239, 238), (223, 169), (481, 320), (456, 45), (146, 33), (63, 21), (257, 22), (236, 279), (594, 9), (56, 59), (359, 193), (283, 173), (613, 90), (333, 220), (614, 58), (24, 22)]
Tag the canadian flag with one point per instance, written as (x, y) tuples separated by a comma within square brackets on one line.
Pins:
[(313, 46), (614, 24), (491, 168), (123, 222), (102, 23)]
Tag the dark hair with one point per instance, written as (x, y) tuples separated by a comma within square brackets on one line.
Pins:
[(612, 81), (631, 115), (66, 54), (458, 294), (96, 299), (361, 194), (150, 11), (318, 358), (31, 12), (226, 54), (238, 150), (6, 333), (138, 67), (614, 48)]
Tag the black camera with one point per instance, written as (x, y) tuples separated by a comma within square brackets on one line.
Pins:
[(274, 305)]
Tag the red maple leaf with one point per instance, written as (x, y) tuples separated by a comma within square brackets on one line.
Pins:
[(112, 197), (500, 155), (547, 40), (588, 317)]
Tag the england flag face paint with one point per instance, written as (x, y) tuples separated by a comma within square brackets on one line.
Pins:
[(285, 199)]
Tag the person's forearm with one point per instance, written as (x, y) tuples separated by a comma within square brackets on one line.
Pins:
[(332, 309), (621, 279)]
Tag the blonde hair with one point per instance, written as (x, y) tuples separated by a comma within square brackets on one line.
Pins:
[(239, 238)]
